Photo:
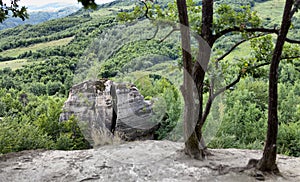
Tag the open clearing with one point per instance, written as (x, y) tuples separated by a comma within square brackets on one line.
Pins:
[(14, 64), (17, 51)]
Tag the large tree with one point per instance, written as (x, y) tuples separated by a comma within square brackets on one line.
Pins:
[(207, 32), (210, 33)]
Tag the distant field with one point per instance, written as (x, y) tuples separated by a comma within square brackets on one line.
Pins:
[(15, 64), (101, 12), (242, 51), (272, 10), (16, 52), (108, 11)]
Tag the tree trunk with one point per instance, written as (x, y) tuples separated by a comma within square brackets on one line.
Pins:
[(207, 20), (268, 161), (192, 142), (200, 67), (194, 145)]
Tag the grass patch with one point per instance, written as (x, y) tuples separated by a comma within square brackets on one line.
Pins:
[(242, 51), (101, 13), (109, 11), (17, 51), (14, 64)]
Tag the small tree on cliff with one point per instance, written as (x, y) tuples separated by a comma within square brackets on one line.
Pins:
[(268, 161), (207, 33), (227, 21)]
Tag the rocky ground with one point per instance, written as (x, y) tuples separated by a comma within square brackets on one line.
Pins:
[(139, 161)]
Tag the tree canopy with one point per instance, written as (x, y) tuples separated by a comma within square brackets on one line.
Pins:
[(12, 9)]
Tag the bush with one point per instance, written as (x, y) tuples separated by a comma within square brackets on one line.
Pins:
[(2, 109), (16, 136), (36, 126), (167, 102), (38, 89), (63, 142), (245, 118), (54, 87), (71, 137), (289, 139)]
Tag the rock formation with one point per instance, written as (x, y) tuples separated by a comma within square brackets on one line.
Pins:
[(93, 103)]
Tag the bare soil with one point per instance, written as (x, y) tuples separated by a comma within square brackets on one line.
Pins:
[(140, 161)]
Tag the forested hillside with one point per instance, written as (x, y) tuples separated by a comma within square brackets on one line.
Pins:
[(39, 64)]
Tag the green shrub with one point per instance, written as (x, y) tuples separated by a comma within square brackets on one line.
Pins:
[(245, 121), (38, 88), (64, 142), (288, 141), (71, 137), (54, 87), (16, 136), (167, 103)]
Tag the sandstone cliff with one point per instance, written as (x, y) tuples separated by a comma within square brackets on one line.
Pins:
[(103, 107)]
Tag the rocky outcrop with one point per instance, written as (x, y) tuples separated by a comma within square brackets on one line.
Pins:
[(94, 102), (140, 161), (90, 103)]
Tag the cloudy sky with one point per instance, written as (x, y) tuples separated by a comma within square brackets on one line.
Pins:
[(41, 2)]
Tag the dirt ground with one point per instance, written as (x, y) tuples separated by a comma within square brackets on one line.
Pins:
[(139, 161)]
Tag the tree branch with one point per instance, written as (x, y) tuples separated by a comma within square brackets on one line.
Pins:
[(258, 66), (230, 50), (228, 86), (296, 7), (207, 108), (252, 30), (235, 46), (292, 57), (238, 79), (147, 10), (292, 41), (239, 29), (170, 33), (155, 33)]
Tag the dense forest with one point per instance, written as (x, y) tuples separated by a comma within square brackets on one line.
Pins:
[(39, 64)]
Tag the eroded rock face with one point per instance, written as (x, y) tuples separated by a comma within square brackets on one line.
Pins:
[(134, 114), (93, 103), (90, 103)]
